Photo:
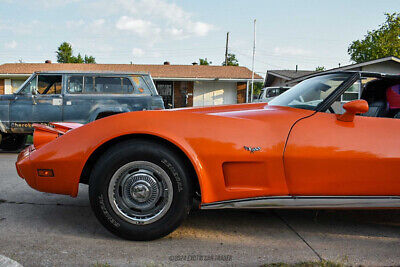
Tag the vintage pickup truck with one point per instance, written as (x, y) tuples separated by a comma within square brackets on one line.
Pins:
[(72, 97)]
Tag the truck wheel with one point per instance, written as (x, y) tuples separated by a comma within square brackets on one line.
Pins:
[(12, 142), (140, 190)]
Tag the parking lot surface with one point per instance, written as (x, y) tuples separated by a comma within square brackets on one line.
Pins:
[(40, 229)]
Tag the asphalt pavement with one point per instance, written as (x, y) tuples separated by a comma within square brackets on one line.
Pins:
[(40, 229)]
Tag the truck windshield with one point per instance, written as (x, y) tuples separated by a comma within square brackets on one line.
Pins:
[(311, 92)]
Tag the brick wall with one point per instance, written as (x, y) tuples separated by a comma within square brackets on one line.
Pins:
[(180, 88), (241, 92), (1, 86)]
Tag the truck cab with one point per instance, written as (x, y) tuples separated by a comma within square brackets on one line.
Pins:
[(72, 97)]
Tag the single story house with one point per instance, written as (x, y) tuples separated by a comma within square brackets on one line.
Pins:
[(389, 65), (284, 77), (179, 85)]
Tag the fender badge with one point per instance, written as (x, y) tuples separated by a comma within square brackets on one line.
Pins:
[(252, 149)]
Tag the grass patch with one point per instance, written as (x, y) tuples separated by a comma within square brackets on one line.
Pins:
[(306, 264)]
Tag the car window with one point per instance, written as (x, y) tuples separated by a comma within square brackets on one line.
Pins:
[(89, 84), (150, 84), (141, 87), (48, 84), (75, 84), (109, 85), (352, 93), (311, 92), (99, 85), (29, 87)]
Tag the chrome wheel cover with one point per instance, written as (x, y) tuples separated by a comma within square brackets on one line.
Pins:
[(140, 192)]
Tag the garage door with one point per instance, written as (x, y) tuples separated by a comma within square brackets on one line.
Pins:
[(214, 93)]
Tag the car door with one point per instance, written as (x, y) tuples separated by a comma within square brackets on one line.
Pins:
[(48, 100), (78, 103), (328, 157), (21, 107)]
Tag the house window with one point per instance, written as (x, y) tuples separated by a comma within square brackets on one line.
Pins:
[(165, 90), (16, 84)]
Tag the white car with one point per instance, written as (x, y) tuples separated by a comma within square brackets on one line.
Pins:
[(269, 93)]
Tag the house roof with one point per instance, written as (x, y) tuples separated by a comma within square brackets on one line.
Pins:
[(352, 66), (157, 71), (290, 74), (371, 62), (285, 74)]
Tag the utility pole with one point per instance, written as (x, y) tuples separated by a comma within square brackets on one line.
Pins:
[(252, 67), (226, 49)]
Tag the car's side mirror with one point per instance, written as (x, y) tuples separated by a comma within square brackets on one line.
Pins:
[(352, 108)]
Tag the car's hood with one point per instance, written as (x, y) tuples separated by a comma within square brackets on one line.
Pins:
[(241, 111), (222, 108)]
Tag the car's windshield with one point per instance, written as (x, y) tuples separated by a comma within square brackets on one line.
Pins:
[(311, 92)]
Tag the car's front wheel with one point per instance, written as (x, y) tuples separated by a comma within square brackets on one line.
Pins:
[(140, 190)]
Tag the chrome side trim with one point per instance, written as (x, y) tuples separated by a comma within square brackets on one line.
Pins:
[(301, 202)]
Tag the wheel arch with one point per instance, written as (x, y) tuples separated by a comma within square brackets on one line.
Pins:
[(106, 110), (95, 155)]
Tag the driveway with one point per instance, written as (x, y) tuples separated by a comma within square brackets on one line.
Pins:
[(40, 229)]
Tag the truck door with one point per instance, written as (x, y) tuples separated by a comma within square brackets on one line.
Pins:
[(40, 101), (47, 100)]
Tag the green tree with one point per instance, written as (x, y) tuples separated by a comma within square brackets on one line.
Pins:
[(65, 55), (232, 60), (204, 61), (383, 42), (257, 88), (320, 68), (89, 60)]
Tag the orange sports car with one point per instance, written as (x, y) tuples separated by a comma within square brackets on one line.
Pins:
[(331, 141)]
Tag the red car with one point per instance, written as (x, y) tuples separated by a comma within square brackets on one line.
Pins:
[(305, 149)]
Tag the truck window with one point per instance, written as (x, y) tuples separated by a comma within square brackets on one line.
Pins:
[(112, 85), (141, 87), (89, 85), (49, 84), (75, 84), (29, 87)]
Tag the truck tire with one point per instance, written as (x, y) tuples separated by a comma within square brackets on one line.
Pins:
[(12, 142), (140, 190)]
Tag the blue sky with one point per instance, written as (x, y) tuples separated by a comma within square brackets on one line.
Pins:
[(307, 33)]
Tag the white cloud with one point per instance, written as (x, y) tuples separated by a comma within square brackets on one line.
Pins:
[(75, 23), (98, 23), (139, 26), (137, 52), (159, 17), (11, 45), (178, 33), (201, 28), (292, 51)]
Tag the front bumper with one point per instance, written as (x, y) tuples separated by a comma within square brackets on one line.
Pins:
[(24, 166), (27, 169)]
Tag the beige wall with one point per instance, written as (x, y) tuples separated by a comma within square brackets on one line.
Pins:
[(279, 82), (385, 67)]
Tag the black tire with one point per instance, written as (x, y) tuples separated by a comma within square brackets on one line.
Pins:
[(12, 142), (108, 204)]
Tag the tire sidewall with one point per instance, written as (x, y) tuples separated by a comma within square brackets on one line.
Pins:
[(127, 152)]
